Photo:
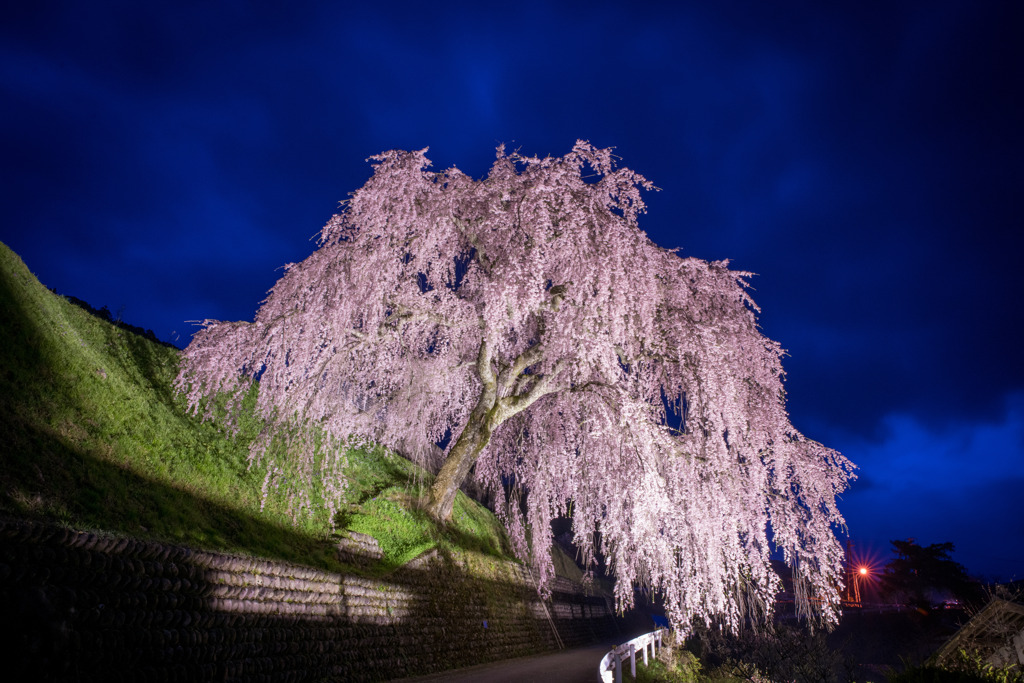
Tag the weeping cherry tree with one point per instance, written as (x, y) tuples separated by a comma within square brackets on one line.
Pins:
[(526, 321)]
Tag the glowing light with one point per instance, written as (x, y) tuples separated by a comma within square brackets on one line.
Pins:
[(863, 571)]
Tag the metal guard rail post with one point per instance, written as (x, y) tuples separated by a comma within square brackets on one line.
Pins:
[(614, 659)]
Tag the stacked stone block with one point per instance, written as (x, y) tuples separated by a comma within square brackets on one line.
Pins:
[(85, 606)]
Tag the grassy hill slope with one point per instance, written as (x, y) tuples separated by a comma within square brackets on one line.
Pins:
[(93, 436)]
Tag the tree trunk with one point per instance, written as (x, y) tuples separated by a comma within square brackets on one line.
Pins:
[(471, 441), (489, 412)]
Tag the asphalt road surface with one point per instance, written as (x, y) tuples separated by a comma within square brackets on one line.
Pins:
[(578, 665)]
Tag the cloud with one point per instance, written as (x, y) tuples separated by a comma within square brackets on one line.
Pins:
[(960, 483)]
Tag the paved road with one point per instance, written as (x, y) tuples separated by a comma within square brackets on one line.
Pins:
[(578, 665)]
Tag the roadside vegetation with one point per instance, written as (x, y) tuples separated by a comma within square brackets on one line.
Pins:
[(793, 653), (93, 436)]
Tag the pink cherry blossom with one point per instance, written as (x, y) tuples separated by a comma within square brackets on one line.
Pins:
[(579, 368)]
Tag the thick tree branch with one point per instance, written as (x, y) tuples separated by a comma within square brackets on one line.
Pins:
[(511, 373), (543, 386), (485, 372)]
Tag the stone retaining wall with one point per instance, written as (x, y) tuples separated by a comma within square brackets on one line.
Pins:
[(82, 606)]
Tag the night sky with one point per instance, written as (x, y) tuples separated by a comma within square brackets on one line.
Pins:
[(863, 158)]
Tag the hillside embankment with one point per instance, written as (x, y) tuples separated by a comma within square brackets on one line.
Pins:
[(199, 570)]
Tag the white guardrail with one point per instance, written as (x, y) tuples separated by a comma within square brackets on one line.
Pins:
[(612, 661)]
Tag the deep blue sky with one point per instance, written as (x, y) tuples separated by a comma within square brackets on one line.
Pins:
[(864, 158)]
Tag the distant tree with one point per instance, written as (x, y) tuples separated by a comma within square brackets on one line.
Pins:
[(927, 575), (527, 320), (782, 652)]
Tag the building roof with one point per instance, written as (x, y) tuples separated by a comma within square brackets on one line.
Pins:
[(996, 633)]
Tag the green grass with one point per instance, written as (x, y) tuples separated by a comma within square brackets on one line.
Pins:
[(386, 496), (92, 435)]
